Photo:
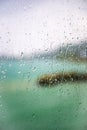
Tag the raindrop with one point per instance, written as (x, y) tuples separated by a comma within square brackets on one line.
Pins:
[(25, 33), (9, 40), (69, 23), (3, 72), (47, 34), (34, 69), (43, 57), (29, 33), (8, 32), (79, 103), (46, 50), (0, 105), (22, 54), (25, 8), (10, 65), (33, 115), (77, 38), (4, 76), (79, 8), (19, 72)]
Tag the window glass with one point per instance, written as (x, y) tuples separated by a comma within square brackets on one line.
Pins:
[(43, 65)]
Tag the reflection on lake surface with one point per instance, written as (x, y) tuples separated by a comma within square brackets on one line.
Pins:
[(24, 105)]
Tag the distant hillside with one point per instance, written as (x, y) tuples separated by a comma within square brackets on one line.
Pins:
[(78, 51)]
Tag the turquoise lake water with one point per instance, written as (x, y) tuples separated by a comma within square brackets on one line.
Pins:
[(26, 106)]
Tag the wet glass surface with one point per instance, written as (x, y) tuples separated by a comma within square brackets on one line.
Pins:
[(43, 65)]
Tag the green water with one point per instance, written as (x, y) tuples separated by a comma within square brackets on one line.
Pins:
[(26, 106)]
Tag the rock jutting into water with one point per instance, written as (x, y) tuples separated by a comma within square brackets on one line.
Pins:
[(56, 78)]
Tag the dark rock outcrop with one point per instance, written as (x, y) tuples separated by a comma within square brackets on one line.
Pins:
[(56, 78)]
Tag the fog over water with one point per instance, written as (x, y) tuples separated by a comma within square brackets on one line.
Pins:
[(40, 25)]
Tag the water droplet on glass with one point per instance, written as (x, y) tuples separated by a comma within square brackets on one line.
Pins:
[(25, 8), (19, 72), (22, 54), (33, 115), (3, 72), (0, 105), (34, 69), (10, 65)]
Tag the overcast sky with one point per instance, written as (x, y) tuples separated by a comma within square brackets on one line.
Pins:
[(30, 26)]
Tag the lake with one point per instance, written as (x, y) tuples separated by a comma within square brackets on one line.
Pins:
[(26, 106)]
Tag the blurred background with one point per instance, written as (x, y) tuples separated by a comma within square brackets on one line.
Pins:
[(41, 38)]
